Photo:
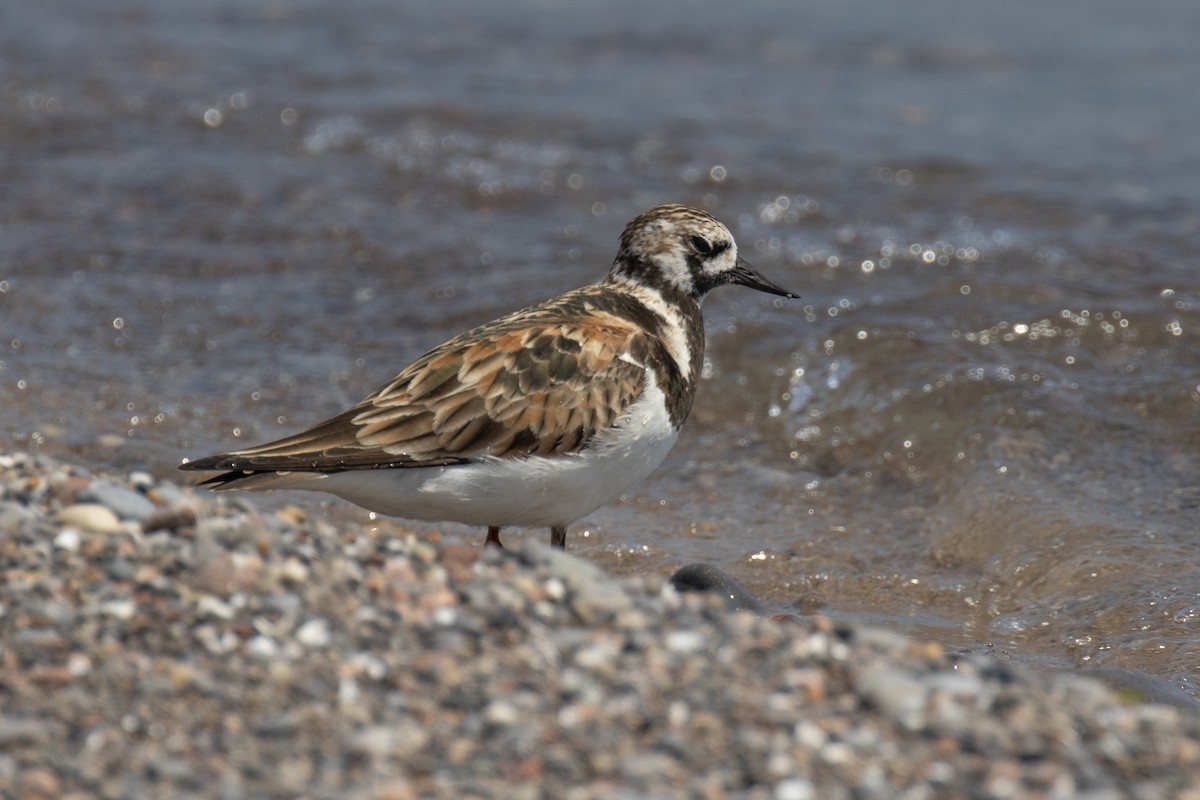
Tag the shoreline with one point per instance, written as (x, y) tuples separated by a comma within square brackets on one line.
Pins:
[(162, 643)]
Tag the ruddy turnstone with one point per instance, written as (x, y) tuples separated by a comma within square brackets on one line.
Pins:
[(537, 418)]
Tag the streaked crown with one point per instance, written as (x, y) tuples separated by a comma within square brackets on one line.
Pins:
[(677, 249)]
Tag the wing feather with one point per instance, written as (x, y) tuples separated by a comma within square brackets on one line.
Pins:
[(537, 382)]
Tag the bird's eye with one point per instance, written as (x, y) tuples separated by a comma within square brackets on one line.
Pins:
[(701, 245)]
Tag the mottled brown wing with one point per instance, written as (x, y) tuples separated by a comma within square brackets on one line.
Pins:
[(526, 387)]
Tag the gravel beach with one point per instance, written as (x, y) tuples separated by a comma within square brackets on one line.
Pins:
[(157, 642)]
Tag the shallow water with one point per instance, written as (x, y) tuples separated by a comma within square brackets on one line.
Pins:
[(221, 222)]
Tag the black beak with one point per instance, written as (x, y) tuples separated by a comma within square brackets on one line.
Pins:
[(745, 275)]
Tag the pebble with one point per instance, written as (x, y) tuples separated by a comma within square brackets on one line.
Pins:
[(14, 516), (684, 641), (165, 493), (175, 518), (121, 609), (125, 503), (795, 789), (68, 539), (263, 647), (894, 692), (707, 578), (142, 481), (89, 516), (294, 571), (501, 713), (16, 731), (208, 605), (228, 531), (259, 655), (314, 634)]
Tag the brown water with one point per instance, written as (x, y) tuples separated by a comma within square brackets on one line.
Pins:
[(220, 222)]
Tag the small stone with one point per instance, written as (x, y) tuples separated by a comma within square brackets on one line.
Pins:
[(294, 571), (170, 519), (895, 693), (501, 713), (956, 683), (295, 774), (119, 609), (794, 789), (17, 731), (349, 694), (125, 503), (292, 515), (39, 783), (142, 481), (374, 741), (315, 633), (14, 516), (458, 559), (168, 495), (684, 641), (49, 676), (228, 531), (262, 647), (65, 488), (288, 603), (601, 601), (79, 665), (276, 725), (91, 517), (208, 605), (119, 569), (38, 638), (398, 789), (216, 576), (370, 665), (572, 570), (555, 589), (216, 642), (68, 539), (444, 616)]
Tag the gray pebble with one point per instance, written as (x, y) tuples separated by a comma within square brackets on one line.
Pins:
[(227, 531), (125, 503), (15, 516), (958, 683), (119, 569), (287, 603), (18, 731), (895, 693), (572, 570), (594, 602), (171, 496)]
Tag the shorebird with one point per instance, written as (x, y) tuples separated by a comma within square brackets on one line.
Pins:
[(537, 418)]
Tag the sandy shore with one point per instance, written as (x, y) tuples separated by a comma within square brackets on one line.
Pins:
[(160, 643)]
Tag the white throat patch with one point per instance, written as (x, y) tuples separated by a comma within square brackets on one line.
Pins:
[(674, 335)]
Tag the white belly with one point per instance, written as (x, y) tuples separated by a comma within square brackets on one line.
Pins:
[(534, 491)]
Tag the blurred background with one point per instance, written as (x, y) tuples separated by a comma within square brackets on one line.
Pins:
[(224, 221)]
